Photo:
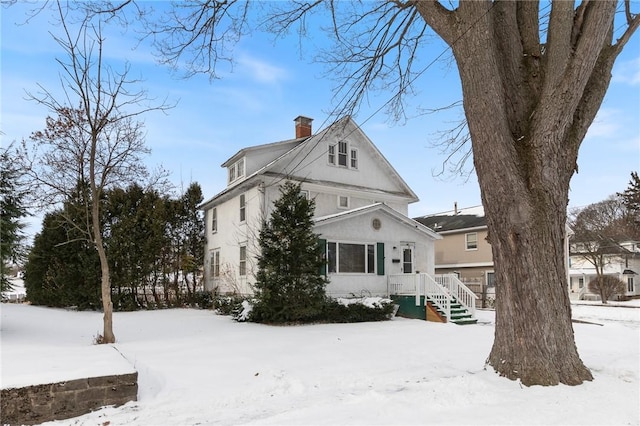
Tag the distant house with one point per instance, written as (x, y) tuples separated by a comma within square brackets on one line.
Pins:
[(620, 259), (361, 210), (463, 250)]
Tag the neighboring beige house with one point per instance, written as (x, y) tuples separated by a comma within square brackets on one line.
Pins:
[(463, 249), (621, 261), (361, 211)]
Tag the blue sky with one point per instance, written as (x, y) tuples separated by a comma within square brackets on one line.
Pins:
[(271, 84)]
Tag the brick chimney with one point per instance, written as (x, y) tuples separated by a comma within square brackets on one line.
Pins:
[(303, 126)]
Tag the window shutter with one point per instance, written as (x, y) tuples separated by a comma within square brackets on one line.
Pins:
[(380, 258), (322, 248)]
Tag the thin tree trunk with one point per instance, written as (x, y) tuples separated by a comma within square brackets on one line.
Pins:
[(107, 305)]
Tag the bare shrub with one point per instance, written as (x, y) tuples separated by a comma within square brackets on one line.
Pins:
[(606, 286)]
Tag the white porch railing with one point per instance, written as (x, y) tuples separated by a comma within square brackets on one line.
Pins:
[(441, 290), (461, 292)]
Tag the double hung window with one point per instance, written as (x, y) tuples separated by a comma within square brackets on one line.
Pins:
[(243, 208), (242, 266), (214, 266), (471, 241), (346, 157), (342, 154), (214, 220), (236, 170)]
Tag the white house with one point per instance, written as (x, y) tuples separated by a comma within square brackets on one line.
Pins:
[(361, 211), (622, 260)]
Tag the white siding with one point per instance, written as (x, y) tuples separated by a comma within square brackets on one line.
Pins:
[(230, 236), (312, 162), (393, 234), (373, 181)]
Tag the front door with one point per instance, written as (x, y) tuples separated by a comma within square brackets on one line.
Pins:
[(407, 259)]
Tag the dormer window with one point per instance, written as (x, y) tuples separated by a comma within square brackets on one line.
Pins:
[(236, 170)]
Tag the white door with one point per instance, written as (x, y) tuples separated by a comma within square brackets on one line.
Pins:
[(407, 259)]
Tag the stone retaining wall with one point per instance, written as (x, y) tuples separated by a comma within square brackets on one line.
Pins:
[(63, 400)]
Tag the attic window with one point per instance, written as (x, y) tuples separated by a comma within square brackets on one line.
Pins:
[(236, 170), (343, 202), (347, 158), (332, 155), (342, 154)]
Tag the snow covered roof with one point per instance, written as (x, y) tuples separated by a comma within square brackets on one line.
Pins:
[(378, 207)]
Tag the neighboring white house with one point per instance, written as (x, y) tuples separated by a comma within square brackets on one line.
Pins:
[(623, 263), (361, 211)]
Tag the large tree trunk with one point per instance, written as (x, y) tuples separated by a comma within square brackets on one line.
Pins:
[(528, 110)]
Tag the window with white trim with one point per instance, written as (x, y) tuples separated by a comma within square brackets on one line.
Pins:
[(342, 154), (332, 155), (630, 285), (343, 202), (351, 258), (214, 264), (346, 157), (243, 208), (242, 266), (305, 194), (580, 282), (236, 170), (214, 220), (471, 241)]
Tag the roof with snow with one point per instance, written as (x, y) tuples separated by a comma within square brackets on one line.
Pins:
[(380, 207)]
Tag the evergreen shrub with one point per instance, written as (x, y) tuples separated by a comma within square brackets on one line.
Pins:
[(203, 299), (338, 312), (226, 304), (124, 301)]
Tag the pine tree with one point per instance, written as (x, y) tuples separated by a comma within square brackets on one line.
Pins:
[(63, 268), (631, 200), (289, 286), (12, 211)]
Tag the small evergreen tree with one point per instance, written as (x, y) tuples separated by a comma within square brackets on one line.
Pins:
[(289, 284), (12, 210), (631, 200)]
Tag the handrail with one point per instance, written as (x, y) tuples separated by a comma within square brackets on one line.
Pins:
[(442, 290), (582, 292), (438, 295), (457, 289), (419, 285)]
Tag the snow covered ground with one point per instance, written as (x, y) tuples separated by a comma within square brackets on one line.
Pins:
[(196, 367)]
